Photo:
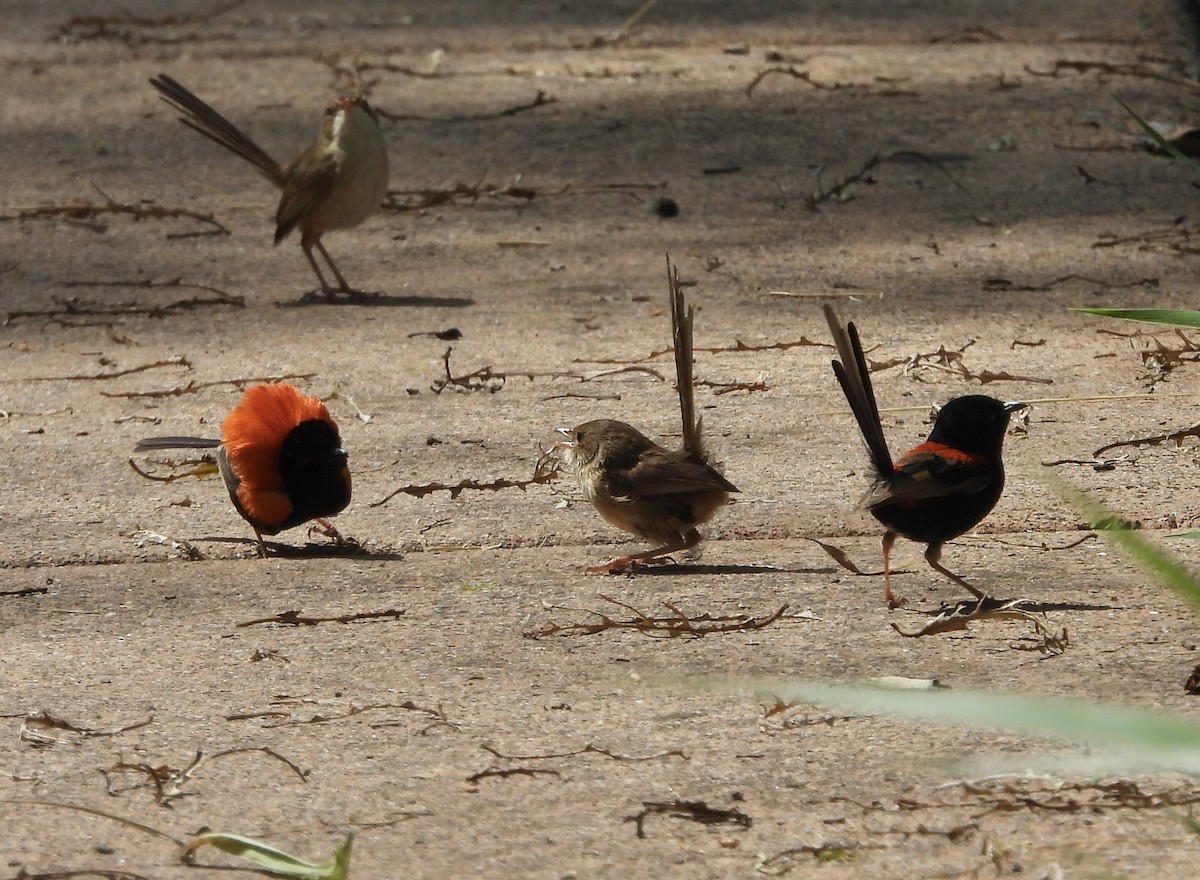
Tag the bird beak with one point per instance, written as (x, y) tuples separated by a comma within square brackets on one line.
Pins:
[(1014, 406), (566, 442)]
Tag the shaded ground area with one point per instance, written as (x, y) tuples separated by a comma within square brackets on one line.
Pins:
[(954, 176)]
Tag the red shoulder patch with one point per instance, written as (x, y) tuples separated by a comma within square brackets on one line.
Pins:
[(942, 451)]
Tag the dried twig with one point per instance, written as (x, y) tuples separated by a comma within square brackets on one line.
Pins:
[(957, 617), (505, 772), (116, 374), (1140, 71), (838, 192), (325, 719), (203, 466), (1176, 437), (675, 625), (27, 591), (719, 388), (589, 749), (168, 782), (544, 471), (71, 306), (482, 379), (1007, 285), (295, 618), (193, 386), (795, 73), (34, 728), (541, 99), (695, 811), (80, 210), (738, 346)]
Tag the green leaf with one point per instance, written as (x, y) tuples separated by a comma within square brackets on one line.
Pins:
[(1157, 137), (1174, 317), (1192, 535), (1137, 547), (271, 860), (1167, 742)]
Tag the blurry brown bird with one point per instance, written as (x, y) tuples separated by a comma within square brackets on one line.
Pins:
[(281, 457), (657, 494), (336, 183), (939, 489)]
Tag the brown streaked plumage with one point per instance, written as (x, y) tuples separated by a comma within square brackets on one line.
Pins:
[(660, 495)]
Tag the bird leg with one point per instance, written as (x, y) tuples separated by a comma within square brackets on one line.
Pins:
[(330, 291), (343, 287), (932, 554), (657, 556), (893, 601), (312, 261), (326, 529)]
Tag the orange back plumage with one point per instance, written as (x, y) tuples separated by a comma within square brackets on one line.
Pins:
[(253, 434)]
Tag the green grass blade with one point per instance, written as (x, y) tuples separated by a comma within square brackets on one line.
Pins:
[(1138, 548), (1164, 741), (274, 861), (1174, 317), (1162, 142)]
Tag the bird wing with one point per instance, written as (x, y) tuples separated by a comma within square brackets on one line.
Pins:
[(666, 474), (306, 186), (930, 471)]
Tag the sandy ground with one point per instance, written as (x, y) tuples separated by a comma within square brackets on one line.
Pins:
[(446, 721)]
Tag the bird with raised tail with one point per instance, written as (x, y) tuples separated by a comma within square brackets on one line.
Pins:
[(281, 457), (337, 182), (658, 494), (939, 489)]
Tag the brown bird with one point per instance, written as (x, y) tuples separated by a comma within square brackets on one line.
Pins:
[(657, 494), (939, 489), (281, 457), (336, 183)]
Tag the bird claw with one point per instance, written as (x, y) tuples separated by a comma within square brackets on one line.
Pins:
[(627, 564)]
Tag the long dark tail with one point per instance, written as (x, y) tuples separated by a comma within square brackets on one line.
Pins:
[(199, 116), (151, 443), (682, 318), (855, 379)]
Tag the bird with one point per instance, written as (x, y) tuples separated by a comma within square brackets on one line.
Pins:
[(281, 457), (337, 182), (939, 489), (659, 495)]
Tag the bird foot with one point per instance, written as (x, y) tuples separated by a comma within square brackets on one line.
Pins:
[(325, 529), (627, 564)]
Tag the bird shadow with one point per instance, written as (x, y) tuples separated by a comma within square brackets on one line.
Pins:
[(349, 549), (378, 300), (677, 568)]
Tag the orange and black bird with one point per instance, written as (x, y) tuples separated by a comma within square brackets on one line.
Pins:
[(281, 457), (660, 495), (938, 490)]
